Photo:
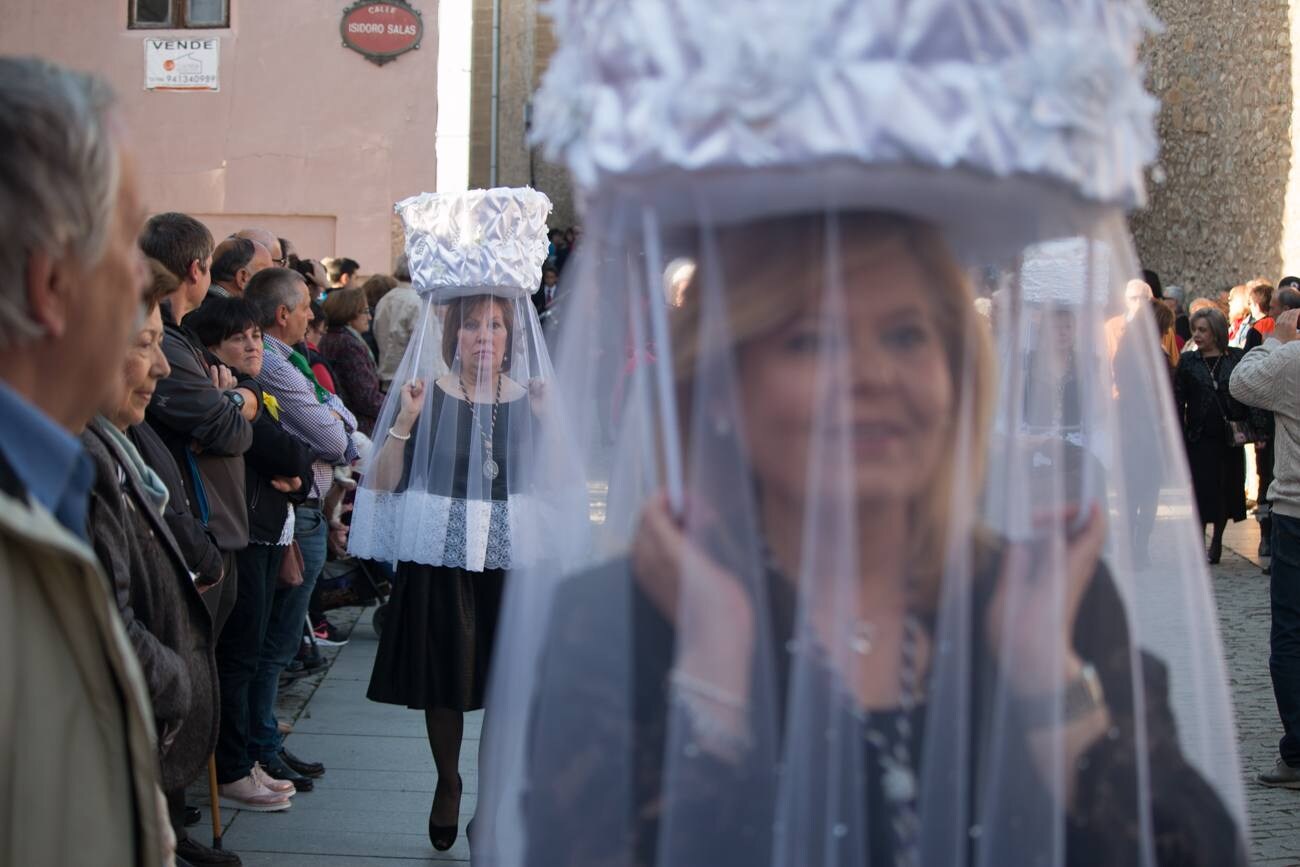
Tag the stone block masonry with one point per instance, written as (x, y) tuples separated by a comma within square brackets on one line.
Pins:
[(1218, 209)]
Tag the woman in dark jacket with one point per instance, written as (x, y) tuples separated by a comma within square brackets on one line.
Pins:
[(277, 475), (742, 687), (164, 615), (355, 370), (1205, 407)]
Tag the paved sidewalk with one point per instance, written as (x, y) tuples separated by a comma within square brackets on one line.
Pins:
[(371, 808)]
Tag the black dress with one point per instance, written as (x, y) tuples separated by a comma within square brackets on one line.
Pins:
[(579, 811), (1204, 407), (436, 647)]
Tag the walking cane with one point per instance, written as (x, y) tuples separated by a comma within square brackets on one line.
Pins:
[(216, 806)]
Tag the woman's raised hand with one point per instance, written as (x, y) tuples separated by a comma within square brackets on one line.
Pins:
[(1030, 624), (537, 394), (412, 405), (713, 614)]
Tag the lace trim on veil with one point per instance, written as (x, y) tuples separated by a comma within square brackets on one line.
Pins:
[(445, 531)]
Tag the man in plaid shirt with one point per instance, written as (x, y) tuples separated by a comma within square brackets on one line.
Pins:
[(319, 419)]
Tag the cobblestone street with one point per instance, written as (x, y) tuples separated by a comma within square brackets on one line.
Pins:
[(1241, 591)]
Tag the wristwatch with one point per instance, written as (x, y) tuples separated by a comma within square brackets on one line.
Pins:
[(237, 399), (1080, 697)]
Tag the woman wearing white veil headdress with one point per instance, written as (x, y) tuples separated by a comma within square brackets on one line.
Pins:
[(837, 606), (451, 492)]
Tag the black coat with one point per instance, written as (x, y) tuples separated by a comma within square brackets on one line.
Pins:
[(206, 434), (274, 452), (569, 811), (1201, 394), (164, 615)]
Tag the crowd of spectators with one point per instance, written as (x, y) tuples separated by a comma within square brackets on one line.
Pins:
[(182, 413)]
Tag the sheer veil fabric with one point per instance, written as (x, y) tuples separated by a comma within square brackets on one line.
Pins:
[(454, 481), (903, 528), (863, 576)]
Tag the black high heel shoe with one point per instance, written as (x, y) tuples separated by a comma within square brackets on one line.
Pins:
[(443, 837)]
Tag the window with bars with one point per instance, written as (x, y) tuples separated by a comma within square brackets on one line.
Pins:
[(191, 14)]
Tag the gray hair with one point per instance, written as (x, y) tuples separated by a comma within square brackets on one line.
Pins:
[(273, 288), (59, 171), (1217, 323), (402, 269)]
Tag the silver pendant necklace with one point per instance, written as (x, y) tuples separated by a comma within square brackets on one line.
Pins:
[(898, 778), (490, 467)]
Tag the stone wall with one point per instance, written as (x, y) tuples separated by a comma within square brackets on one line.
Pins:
[(1222, 69), (526, 47)]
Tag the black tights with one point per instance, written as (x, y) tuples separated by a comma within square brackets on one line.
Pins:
[(446, 730), (1216, 540)]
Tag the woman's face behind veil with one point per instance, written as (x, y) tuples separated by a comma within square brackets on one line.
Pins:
[(867, 376), (482, 335)]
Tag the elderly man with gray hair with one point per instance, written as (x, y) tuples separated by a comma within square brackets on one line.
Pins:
[(318, 419), (74, 713)]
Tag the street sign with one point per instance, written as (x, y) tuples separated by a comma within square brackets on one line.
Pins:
[(182, 64), (381, 32)]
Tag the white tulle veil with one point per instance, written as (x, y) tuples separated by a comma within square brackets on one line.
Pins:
[(865, 577)]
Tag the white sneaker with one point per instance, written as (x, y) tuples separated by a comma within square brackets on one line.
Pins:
[(280, 787), (249, 794)]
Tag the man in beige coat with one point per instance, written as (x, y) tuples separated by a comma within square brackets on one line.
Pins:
[(78, 772)]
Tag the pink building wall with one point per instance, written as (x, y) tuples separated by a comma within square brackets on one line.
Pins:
[(306, 138)]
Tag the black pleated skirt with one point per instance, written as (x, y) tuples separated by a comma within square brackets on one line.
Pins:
[(436, 647)]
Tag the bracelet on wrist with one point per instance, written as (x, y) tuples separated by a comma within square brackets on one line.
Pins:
[(717, 719), (687, 683), (392, 432)]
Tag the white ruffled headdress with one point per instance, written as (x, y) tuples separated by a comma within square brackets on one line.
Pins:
[(1040, 107)]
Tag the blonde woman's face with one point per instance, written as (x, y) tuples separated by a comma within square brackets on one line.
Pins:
[(865, 389)]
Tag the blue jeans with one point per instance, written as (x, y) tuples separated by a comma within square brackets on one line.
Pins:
[(238, 652), (284, 634), (1284, 640)]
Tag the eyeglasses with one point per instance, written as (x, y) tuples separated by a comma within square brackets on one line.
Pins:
[(283, 262)]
